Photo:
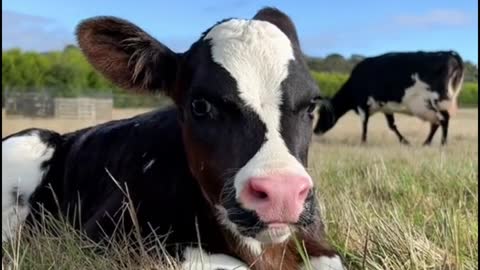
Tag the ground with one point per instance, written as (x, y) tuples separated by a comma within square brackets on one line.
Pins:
[(386, 206)]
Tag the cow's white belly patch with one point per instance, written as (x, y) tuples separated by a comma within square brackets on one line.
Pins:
[(418, 100), (386, 107)]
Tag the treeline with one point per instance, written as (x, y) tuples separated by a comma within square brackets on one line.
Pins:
[(64, 74), (67, 73)]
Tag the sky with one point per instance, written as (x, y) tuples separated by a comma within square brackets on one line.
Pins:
[(347, 27)]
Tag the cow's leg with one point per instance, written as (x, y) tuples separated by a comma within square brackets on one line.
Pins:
[(364, 115), (198, 259), (444, 123), (393, 127), (109, 215), (321, 255), (433, 129), (24, 157)]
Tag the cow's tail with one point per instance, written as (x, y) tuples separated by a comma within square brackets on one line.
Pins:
[(26, 157), (458, 73), (455, 81)]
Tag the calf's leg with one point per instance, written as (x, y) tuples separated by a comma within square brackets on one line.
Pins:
[(198, 259), (321, 255)]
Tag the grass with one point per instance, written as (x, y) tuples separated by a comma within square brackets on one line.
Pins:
[(15, 124), (386, 206), (62, 247), (401, 208)]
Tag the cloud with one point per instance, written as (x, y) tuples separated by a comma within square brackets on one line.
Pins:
[(30, 32), (434, 18)]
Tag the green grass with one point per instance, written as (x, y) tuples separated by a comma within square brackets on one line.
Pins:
[(386, 206)]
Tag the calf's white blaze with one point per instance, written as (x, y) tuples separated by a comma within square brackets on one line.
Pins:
[(257, 54), (22, 158)]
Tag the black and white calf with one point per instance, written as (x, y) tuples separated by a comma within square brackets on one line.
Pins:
[(422, 84), (227, 163)]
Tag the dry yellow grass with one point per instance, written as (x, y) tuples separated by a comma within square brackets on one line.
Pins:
[(463, 126), (15, 124), (390, 206)]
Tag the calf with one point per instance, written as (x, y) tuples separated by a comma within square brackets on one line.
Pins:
[(223, 172), (422, 84)]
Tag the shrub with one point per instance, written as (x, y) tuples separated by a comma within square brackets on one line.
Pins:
[(329, 83), (469, 94)]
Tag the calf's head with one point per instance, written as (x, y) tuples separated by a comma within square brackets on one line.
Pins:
[(245, 100)]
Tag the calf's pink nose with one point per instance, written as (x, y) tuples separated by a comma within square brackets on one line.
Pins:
[(276, 199)]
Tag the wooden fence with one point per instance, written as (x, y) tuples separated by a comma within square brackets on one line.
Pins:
[(94, 106), (83, 108), (31, 104)]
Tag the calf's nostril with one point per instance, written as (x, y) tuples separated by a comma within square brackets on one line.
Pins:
[(258, 191), (304, 192), (260, 195)]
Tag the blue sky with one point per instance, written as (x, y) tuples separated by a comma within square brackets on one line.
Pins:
[(345, 27)]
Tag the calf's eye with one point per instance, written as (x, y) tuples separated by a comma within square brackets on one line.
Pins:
[(201, 107)]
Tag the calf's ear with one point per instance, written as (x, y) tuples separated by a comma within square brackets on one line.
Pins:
[(127, 55), (281, 20)]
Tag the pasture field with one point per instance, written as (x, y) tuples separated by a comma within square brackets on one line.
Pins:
[(385, 205)]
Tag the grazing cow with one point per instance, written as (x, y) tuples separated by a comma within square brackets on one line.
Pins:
[(223, 172), (422, 84)]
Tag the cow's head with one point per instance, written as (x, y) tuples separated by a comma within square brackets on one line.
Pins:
[(245, 100), (325, 117)]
